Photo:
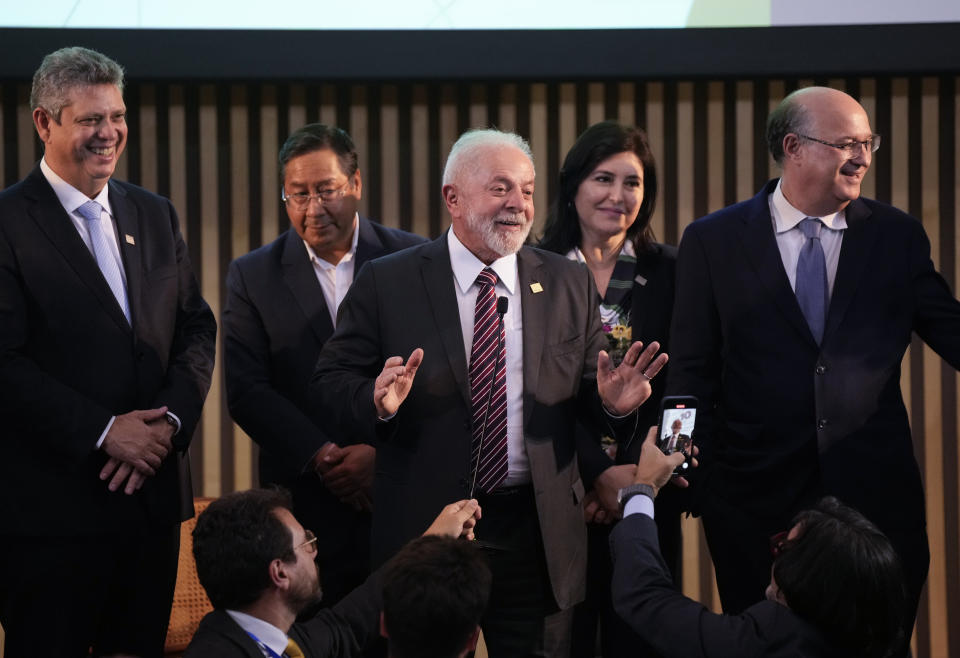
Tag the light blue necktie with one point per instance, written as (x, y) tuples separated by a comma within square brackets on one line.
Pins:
[(91, 211), (812, 289)]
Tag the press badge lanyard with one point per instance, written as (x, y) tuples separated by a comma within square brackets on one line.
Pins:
[(263, 647)]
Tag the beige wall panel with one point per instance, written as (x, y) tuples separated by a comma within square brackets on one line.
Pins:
[(567, 120), (685, 157), (868, 99), (178, 158), (508, 108), (478, 107), (626, 106), (390, 164), (595, 104), (360, 134), (298, 107), (209, 283), (538, 144), (26, 158), (654, 128), (715, 148), (273, 220), (745, 139), (423, 186), (328, 105), (148, 137)]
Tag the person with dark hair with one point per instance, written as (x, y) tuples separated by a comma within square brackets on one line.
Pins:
[(281, 307), (793, 313), (601, 219), (435, 591), (836, 588), (106, 354), (259, 568), (471, 360)]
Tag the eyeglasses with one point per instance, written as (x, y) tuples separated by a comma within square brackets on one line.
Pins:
[(301, 200), (850, 148), (311, 542), (779, 543)]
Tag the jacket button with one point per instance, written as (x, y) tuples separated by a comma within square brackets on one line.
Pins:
[(822, 423), (821, 369)]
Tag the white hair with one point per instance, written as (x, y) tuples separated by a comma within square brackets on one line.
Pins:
[(461, 153)]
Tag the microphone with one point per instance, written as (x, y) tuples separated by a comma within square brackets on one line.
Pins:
[(502, 304)]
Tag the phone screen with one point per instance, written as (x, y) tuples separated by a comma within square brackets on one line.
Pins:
[(678, 419)]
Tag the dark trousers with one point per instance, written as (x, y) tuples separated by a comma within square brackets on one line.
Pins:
[(520, 597), (62, 595)]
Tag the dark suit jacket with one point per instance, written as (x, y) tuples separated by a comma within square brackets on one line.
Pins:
[(407, 300), (792, 420), (69, 360), (335, 632), (644, 595), (275, 322)]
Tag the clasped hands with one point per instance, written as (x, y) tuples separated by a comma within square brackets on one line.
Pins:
[(347, 472), (137, 443)]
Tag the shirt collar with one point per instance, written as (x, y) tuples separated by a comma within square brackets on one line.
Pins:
[(264, 631), (626, 250), (70, 197), (466, 266), (316, 260), (786, 217)]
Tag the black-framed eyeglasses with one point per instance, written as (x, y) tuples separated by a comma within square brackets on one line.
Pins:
[(310, 543), (779, 543), (301, 200), (852, 147)]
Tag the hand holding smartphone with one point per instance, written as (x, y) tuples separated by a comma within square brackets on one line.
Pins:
[(678, 419)]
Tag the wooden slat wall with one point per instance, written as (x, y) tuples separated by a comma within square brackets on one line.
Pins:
[(212, 148)]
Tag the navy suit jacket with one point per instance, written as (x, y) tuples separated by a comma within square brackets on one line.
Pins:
[(407, 300), (69, 360), (275, 323), (337, 632), (645, 597), (785, 420)]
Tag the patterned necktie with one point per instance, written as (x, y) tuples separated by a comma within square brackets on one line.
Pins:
[(91, 211), (489, 408), (293, 649), (812, 290)]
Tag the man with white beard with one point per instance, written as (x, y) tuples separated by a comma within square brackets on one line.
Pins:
[(473, 363)]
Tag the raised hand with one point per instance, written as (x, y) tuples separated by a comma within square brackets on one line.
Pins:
[(394, 382), (627, 386)]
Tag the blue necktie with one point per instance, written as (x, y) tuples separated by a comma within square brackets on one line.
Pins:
[(812, 290), (91, 211)]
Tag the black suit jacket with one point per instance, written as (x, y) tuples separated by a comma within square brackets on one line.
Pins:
[(275, 322), (336, 632), (645, 596), (785, 420), (407, 300), (69, 360)]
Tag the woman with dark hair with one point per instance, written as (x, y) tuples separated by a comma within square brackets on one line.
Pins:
[(601, 218)]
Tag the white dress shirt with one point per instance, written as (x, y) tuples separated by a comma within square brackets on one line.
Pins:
[(790, 238), (466, 267), (265, 632), (335, 280)]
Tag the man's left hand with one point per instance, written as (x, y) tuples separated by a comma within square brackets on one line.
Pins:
[(354, 473), (627, 386)]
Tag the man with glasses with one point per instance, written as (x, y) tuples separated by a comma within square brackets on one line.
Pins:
[(281, 308), (793, 313), (260, 568), (835, 589)]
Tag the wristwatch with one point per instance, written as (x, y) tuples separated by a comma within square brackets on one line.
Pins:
[(632, 490)]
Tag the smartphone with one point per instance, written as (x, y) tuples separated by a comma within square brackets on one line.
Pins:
[(678, 422)]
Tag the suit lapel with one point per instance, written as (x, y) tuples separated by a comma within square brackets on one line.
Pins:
[(437, 276), (301, 279), (761, 251), (535, 308), (859, 239), (128, 225), (369, 245), (50, 216)]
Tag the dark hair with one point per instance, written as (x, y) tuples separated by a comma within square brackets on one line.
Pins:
[(67, 68), (597, 143), (842, 575), (315, 136), (235, 540), (790, 116), (434, 592)]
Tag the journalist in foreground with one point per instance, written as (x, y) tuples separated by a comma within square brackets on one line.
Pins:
[(836, 587)]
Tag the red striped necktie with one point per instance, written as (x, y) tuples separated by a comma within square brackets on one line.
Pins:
[(488, 369)]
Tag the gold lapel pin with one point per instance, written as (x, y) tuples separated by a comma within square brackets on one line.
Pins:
[(130, 239), (536, 287)]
